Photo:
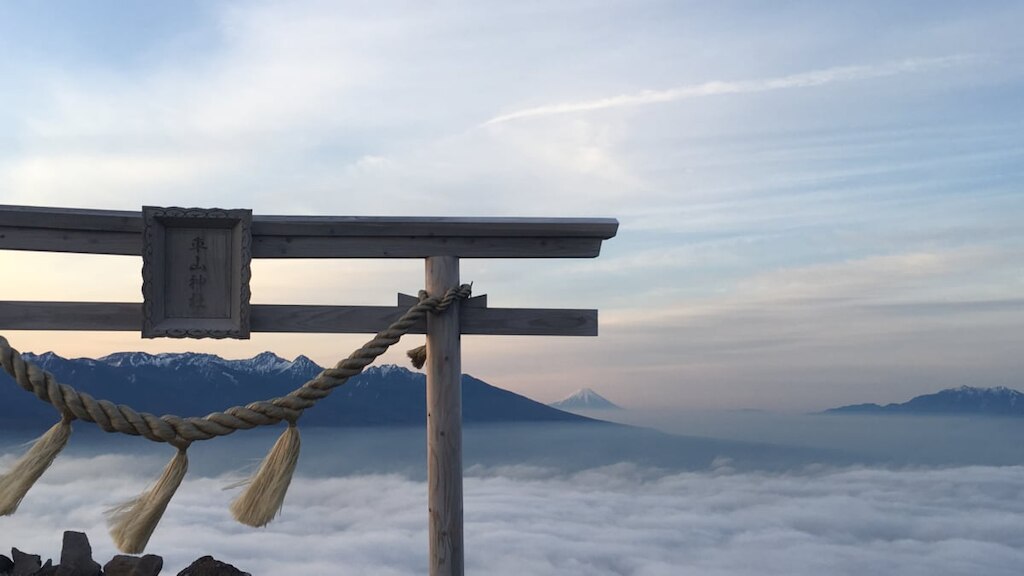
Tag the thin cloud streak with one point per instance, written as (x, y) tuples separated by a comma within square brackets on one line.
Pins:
[(810, 79)]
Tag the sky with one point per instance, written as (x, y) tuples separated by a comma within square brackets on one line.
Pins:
[(820, 202)]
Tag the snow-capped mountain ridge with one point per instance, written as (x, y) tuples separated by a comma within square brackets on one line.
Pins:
[(999, 400), (191, 384), (137, 359), (262, 363), (975, 390)]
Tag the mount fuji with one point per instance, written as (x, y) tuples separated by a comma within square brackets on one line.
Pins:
[(585, 399)]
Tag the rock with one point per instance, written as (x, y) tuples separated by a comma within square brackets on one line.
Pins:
[(150, 565), (25, 564), (6, 565), (47, 569), (121, 565), (207, 566), (76, 556)]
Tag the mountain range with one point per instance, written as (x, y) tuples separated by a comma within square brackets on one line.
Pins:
[(999, 401), (585, 399), (190, 384)]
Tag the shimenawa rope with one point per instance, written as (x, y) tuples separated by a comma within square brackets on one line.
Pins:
[(133, 523)]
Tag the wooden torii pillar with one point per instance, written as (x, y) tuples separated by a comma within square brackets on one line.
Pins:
[(196, 272)]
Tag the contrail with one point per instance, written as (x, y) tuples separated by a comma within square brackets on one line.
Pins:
[(716, 88)]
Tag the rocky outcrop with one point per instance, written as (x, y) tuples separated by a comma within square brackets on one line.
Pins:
[(25, 564), (121, 565), (76, 556), (208, 566), (76, 560)]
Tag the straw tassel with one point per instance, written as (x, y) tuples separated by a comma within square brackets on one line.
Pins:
[(418, 356), (263, 497), (16, 483), (132, 523)]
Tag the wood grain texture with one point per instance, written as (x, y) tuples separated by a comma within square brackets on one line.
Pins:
[(327, 319), (529, 321), (444, 424), (74, 241), (423, 247), (430, 226), (71, 218), (309, 319), (100, 316), (119, 232)]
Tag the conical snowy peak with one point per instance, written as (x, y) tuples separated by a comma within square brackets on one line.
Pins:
[(264, 363), (585, 399), (303, 362)]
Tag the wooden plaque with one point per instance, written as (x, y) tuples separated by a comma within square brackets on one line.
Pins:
[(195, 272)]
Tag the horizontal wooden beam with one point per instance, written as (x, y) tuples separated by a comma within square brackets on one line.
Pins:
[(422, 247), (333, 226), (127, 317), (76, 241), (119, 232)]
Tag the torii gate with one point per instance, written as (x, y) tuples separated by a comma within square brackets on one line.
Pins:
[(196, 284)]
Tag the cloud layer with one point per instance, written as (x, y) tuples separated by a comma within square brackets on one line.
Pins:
[(613, 520)]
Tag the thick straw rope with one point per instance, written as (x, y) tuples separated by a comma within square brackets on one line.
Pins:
[(181, 432)]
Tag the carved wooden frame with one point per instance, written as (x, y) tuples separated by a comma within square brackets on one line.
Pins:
[(232, 262)]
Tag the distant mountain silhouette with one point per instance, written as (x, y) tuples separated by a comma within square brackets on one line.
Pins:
[(585, 399), (1000, 401), (196, 384)]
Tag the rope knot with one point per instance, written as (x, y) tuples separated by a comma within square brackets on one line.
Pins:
[(418, 355)]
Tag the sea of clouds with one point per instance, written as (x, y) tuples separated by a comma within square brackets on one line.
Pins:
[(611, 520)]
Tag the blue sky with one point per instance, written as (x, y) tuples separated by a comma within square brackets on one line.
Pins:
[(820, 203)]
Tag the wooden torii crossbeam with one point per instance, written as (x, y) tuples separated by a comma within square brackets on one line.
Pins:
[(196, 271)]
